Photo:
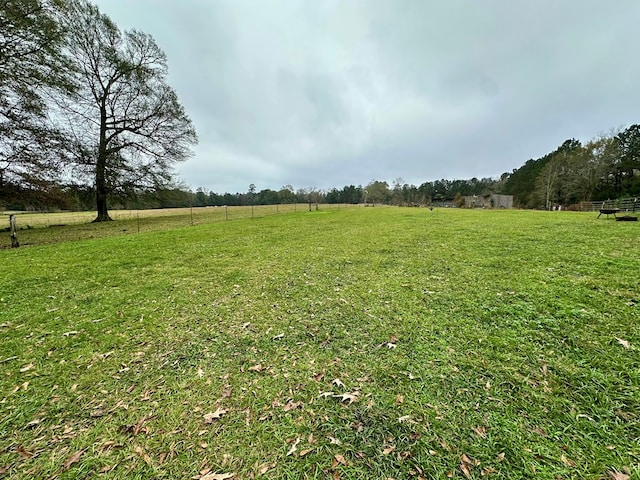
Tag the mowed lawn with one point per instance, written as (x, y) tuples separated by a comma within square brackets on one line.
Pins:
[(368, 343)]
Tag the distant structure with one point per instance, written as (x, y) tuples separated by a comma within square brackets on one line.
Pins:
[(492, 200)]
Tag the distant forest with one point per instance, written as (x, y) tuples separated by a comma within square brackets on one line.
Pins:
[(606, 167)]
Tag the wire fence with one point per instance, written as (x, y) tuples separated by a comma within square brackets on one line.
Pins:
[(624, 204), (35, 228)]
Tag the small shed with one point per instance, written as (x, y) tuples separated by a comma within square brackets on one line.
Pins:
[(491, 200)]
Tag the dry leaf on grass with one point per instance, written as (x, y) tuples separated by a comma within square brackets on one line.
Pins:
[(480, 431), (291, 405), (217, 476), (339, 459), (615, 475), (211, 416), (338, 383), (294, 447), (567, 461), (20, 450), (466, 464), (75, 458), (265, 467), (348, 397), (26, 368), (624, 343), (140, 451)]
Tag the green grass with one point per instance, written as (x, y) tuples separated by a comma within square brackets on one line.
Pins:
[(483, 342)]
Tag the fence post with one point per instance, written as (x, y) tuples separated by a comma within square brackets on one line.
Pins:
[(14, 232)]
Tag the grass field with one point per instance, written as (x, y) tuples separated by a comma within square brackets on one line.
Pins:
[(368, 343)]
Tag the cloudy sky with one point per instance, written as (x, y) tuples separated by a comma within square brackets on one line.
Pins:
[(327, 93)]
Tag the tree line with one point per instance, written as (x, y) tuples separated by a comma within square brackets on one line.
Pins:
[(603, 168)]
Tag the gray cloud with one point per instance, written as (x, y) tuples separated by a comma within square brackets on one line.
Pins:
[(323, 94)]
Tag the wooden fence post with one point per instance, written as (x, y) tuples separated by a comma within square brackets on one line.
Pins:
[(14, 232)]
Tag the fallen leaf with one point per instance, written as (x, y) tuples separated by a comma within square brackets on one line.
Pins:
[(624, 343), (338, 383), (500, 457), (211, 416), (480, 431), (615, 475), (334, 441), (265, 467), (405, 419), (34, 422), (466, 464), (291, 405), (75, 458), (326, 394), (200, 372), (465, 469), (24, 453), (567, 461), (399, 399), (388, 450), (278, 337), (3, 470), (256, 368), (350, 397), (294, 447), (340, 459), (67, 334), (217, 476), (140, 451), (139, 427), (304, 452), (26, 368)]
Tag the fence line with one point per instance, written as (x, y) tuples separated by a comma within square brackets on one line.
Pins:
[(624, 204), (40, 228)]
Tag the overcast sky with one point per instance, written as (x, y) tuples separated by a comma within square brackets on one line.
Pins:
[(328, 93)]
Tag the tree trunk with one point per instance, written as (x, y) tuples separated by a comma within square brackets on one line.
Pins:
[(101, 167), (101, 203)]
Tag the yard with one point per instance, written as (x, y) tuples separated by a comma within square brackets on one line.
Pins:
[(360, 343)]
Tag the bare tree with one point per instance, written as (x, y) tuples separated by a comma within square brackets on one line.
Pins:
[(128, 126)]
